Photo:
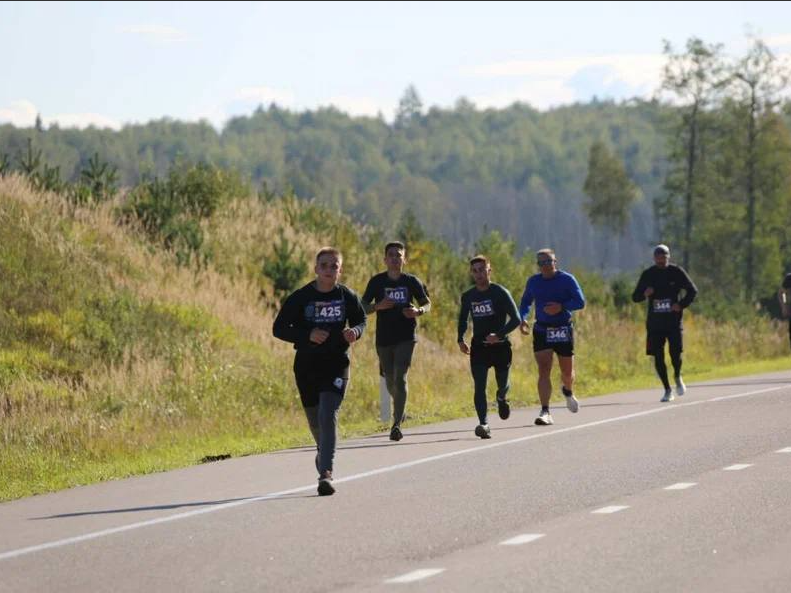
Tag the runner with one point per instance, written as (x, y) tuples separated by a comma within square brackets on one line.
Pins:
[(489, 304), (661, 284), (393, 293), (556, 294), (784, 295), (314, 319)]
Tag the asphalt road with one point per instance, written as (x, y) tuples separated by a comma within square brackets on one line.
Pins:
[(630, 494)]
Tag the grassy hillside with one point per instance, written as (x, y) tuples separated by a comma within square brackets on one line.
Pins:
[(116, 361)]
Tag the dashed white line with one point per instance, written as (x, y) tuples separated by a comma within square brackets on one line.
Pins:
[(609, 510), (525, 538), (415, 575), (681, 486), (737, 466), (382, 470), (786, 450)]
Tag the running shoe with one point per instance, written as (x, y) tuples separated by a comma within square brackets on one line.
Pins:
[(503, 408), (483, 431), (396, 434), (325, 484), (544, 418), (668, 397), (571, 402), (681, 389)]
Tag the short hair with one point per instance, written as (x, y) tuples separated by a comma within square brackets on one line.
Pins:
[(329, 251), (479, 259), (398, 244), (546, 251)]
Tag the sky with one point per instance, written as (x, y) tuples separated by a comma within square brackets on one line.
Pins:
[(112, 63)]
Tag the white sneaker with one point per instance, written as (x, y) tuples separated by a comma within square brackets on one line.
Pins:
[(681, 389), (668, 397), (544, 419), (572, 404)]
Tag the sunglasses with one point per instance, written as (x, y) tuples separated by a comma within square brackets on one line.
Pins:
[(545, 262)]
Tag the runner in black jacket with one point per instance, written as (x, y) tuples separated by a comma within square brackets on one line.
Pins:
[(490, 305), (661, 285), (322, 319)]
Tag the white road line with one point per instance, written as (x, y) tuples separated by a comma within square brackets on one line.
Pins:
[(681, 486), (415, 575), (382, 470), (786, 450), (525, 538), (609, 510), (737, 466)]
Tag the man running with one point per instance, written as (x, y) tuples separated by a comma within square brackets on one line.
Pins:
[(784, 296), (556, 294), (393, 293), (489, 304), (661, 285), (314, 318)]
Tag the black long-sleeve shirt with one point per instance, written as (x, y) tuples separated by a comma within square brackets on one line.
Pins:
[(489, 309), (308, 308), (667, 284)]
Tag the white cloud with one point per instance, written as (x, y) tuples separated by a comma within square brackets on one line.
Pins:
[(550, 82), (263, 95), (21, 114), (634, 69), (157, 32)]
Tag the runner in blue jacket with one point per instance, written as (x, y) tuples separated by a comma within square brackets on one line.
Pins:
[(555, 294)]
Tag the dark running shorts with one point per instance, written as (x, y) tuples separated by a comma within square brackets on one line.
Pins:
[(497, 356), (558, 339), (315, 377)]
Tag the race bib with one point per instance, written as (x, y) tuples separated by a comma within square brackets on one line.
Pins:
[(326, 311), (482, 308), (558, 335), (663, 305), (399, 294)]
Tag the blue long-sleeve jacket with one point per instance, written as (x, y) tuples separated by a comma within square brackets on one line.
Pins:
[(562, 288)]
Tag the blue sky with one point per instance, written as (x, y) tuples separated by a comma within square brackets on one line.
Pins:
[(110, 63)]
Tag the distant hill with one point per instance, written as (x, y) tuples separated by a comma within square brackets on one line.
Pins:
[(460, 170)]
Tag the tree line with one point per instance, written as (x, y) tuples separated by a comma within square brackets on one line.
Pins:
[(707, 172)]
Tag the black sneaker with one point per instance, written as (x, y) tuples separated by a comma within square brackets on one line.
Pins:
[(483, 431), (396, 434), (503, 408), (325, 484)]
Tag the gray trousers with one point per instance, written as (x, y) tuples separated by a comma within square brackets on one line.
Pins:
[(395, 361), (323, 422)]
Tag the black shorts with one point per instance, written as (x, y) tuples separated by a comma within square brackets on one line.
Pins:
[(545, 340), (498, 355), (315, 376), (655, 342)]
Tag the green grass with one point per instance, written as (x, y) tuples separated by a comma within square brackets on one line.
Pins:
[(115, 362)]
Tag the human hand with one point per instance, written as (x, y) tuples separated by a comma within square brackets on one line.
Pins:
[(319, 336), (553, 308), (410, 312), (384, 304)]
